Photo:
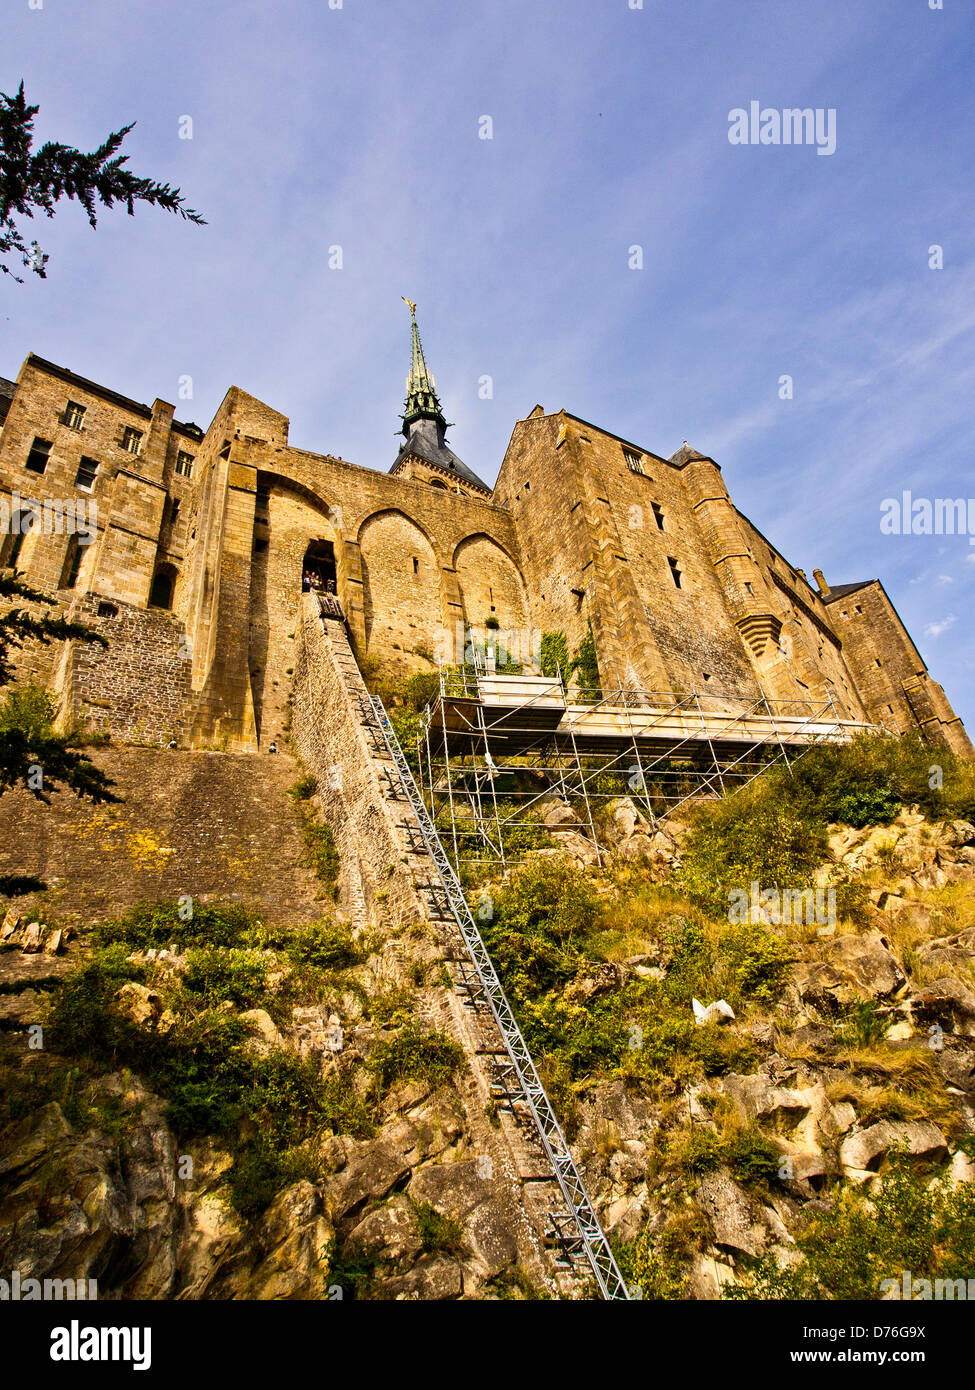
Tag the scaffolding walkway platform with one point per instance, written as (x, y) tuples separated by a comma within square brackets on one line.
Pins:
[(497, 748)]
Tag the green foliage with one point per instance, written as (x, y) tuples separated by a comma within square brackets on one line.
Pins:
[(862, 1024), (438, 1233), (420, 689), (775, 830), (555, 655), (29, 708), (260, 1173), (753, 1160), (32, 182), (304, 788), (28, 741), (354, 1271), (321, 854), (415, 1056), (491, 622), (204, 1063), (154, 925), (586, 664), (756, 835), (910, 1223), (321, 946), (513, 1283), (658, 1273), (218, 974)]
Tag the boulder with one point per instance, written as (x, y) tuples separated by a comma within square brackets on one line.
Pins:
[(581, 849), (452, 1189), (389, 1232), (297, 1238), (603, 980), (866, 1149), (947, 1003), (734, 1219), (372, 1170), (868, 961), (143, 1007), (432, 1280), (955, 952), (489, 1238), (262, 1026), (32, 938)]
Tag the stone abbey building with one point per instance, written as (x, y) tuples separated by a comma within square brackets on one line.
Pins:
[(191, 563)]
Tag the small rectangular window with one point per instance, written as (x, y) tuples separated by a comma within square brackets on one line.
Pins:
[(416, 565), (184, 464), (85, 476), (675, 571), (263, 499), (132, 440), (634, 460), (37, 459), (173, 511), (73, 415), (658, 515)]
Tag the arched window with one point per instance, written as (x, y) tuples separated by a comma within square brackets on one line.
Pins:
[(161, 593), (318, 567)]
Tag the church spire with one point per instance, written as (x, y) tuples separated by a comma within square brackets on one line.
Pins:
[(421, 389), (424, 427)]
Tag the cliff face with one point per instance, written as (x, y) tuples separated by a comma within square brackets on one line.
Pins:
[(846, 1067), (267, 1101)]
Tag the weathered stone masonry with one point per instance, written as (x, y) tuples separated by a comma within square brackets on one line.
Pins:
[(207, 533)]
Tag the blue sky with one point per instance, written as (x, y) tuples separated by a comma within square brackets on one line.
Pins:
[(358, 126)]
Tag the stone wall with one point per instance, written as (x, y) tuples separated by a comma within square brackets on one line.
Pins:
[(212, 825), (138, 687), (331, 741)]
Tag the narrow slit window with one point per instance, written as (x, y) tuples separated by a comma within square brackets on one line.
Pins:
[(72, 564), (416, 565), (658, 515), (676, 573)]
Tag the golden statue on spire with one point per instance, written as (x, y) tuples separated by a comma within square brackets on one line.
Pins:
[(409, 303)]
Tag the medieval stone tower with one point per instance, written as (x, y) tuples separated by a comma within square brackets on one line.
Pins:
[(189, 549)]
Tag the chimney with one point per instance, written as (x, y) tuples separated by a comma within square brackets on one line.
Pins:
[(821, 584)]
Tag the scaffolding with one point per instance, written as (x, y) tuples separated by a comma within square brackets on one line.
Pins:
[(499, 753)]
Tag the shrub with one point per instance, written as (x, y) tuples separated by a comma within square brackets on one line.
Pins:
[(322, 946), (415, 1056), (154, 925), (586, 664), (846, 1252), (756, 835), (321, 854), (438, 1233), (305, 787), (218, 974), (555, 655), (29, 709)]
